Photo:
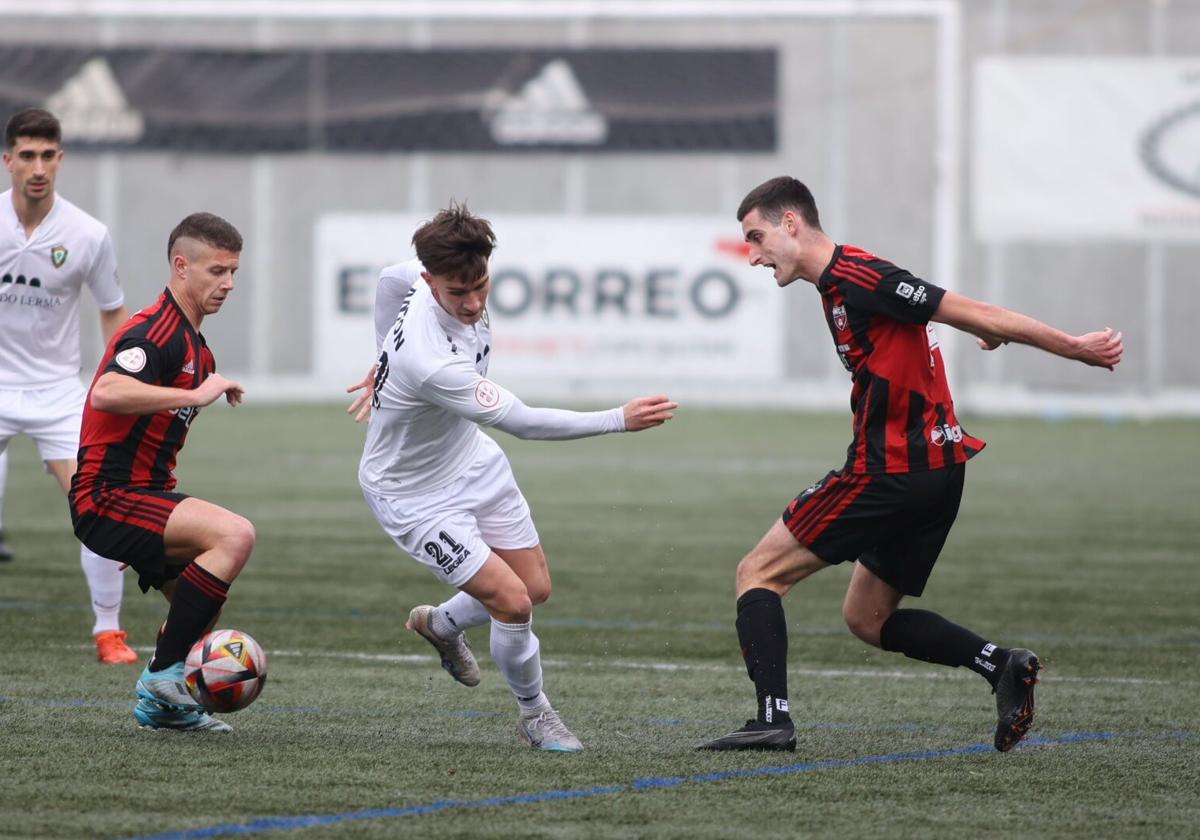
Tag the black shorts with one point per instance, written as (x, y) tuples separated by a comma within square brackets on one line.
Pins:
[(895, 525), (126, 524)]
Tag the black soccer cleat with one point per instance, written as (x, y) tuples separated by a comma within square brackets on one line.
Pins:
[(779, 737), (1014, 697)]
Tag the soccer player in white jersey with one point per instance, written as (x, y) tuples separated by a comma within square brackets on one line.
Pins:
[(49, 249), (440, 487)]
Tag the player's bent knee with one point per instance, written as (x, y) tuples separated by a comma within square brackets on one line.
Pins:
[(239, 538), (749, 573), (514, 607), (539, 593), (864, 625)]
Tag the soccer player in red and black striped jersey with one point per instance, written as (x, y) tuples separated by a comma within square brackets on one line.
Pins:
[(156, 375), (891, 505)]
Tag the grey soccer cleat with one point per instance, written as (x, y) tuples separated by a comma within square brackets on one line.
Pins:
[(545, 730), (455, 653), (1014, 697), (756, 736)]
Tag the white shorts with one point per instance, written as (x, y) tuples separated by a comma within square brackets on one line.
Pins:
[(51, 416), (452, 530)]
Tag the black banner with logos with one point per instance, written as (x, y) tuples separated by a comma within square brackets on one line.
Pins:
[(451, 100)]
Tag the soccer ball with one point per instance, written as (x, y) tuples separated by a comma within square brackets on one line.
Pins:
[(225, 670)]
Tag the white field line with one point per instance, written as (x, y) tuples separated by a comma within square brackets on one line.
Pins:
[(685, 667)]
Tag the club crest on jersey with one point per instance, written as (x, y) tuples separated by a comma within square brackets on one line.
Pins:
[(133, 359), (487, 321), (839, 317), (58, 255)]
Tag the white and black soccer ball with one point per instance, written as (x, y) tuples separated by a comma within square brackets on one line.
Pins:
[(225, 671)]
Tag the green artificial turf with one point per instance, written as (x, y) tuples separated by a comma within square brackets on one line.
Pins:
[(1078, 539)]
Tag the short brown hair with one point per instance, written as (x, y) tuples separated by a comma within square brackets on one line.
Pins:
[(210, 229), (455, 243), (771, 198), (32, 122)]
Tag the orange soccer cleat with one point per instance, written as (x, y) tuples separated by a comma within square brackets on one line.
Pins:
[(112, 650)]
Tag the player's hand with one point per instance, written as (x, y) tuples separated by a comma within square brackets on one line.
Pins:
[(216, 385), (361, 407), (990, 342), (1100, 349), (648, 412)]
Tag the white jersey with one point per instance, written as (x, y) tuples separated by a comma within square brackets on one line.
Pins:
[(40, 282), (431, 390)]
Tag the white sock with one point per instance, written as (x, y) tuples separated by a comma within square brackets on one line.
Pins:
[(461, 612), (518, 655), (107, 585)]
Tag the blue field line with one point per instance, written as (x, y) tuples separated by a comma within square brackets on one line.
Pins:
[(266, 824)]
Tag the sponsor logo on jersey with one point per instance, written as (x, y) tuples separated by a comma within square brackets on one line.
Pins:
[(812, 489), (914, 295), (22, 280), (940, 434), (58, 255), (839, 317), (133, 359), (187, 415), (190, 367), (487, 394)]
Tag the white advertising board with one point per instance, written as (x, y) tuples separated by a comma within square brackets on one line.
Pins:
[(1086, 148), (575, 301)]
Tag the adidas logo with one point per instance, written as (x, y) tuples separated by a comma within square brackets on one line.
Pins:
[(92, 108), (190, 367), (550, 108)]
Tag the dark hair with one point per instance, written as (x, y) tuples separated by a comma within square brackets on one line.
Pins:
[(32, 122), (209, 229), (772, 198), (455, 244)]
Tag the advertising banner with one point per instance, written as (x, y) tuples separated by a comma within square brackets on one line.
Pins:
[(575, 300), (1086, 148), (310, 99)]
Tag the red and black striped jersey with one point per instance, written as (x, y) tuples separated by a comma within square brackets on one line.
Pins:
[(158, 346), (878, 316)]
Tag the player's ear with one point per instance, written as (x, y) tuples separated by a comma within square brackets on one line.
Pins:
[(427, 277)]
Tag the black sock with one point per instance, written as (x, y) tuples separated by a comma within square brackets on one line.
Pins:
[(197, 600), (762, 632), (924, 635)]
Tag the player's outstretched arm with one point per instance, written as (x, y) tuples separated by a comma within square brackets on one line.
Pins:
[(361, 407), (531, 423), (117, 393), (994, 325)]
